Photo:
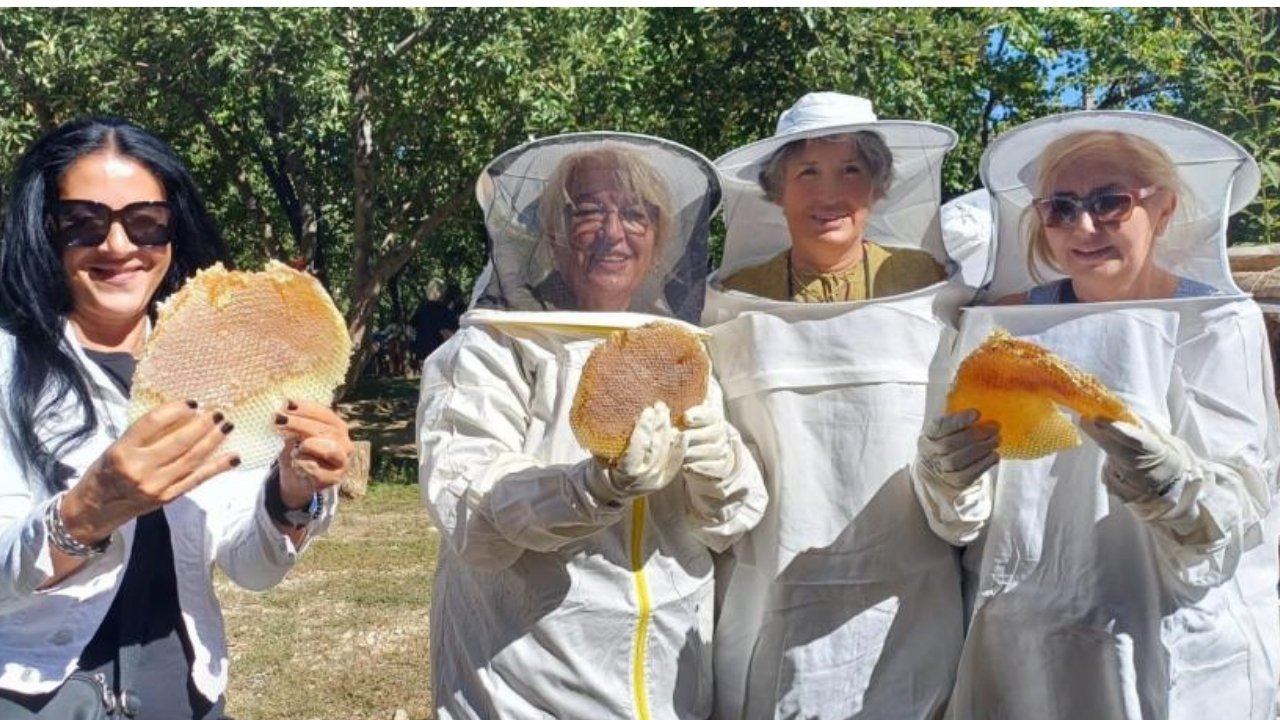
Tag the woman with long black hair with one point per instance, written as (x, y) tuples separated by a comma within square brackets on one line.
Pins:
[(109, 531)]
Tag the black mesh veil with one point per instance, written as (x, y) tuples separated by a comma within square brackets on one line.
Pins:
[(534, 220)]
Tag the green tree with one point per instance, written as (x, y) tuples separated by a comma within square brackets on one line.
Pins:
[(345, 138), (1231, 82), (350, 139)]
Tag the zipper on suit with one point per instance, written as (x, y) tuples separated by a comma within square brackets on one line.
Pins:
[(641, 641)]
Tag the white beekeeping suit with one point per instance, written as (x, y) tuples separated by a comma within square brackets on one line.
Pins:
[(1083, 605), (841, 603), (561, 590)]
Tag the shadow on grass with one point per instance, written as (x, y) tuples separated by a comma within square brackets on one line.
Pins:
[(381, 411)]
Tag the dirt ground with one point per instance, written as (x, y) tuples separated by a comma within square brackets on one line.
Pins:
[(382, 412)]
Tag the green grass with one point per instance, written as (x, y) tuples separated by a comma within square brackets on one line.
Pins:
[(344, 637), (395, 470)]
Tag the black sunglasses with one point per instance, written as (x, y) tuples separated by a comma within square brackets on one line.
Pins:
[(1106, 206), (85, 223)]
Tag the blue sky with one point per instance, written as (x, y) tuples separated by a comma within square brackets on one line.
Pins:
[(1069, 95)]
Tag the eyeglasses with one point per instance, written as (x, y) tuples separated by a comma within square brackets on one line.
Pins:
[(592, 216), (1106, 206), (85, 223)]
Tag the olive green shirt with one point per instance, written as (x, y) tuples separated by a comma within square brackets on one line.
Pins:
[(882, 272)]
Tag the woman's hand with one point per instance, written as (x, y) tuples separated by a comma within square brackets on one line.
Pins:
[(316, 451), (161, 457)]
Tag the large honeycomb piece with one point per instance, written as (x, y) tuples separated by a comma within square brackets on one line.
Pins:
[(244, 343), (1019, 385), (630, 371)]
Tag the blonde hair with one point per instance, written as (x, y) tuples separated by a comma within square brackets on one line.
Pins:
[(1146, 160), (633, 175)]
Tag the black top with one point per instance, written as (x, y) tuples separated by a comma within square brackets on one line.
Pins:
[(118, 366), (145, 612), (430, 321)]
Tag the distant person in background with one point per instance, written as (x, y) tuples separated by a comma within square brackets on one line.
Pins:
[(435, 320)]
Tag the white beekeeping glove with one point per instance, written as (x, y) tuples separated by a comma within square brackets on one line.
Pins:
[(710, 461), (709, 453), (1142, 462), (652, 459), (954, 450)]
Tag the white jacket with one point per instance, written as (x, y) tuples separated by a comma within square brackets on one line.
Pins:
[(841, 603), (223, 521), (548, 603), (1084, 606)]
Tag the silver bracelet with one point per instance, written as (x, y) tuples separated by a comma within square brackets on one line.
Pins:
[(63, 540)]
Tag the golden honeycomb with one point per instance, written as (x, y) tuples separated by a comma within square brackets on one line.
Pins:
[(1020, 385), (630, 371), (244, 343)]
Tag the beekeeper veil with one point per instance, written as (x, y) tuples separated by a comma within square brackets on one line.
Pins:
[(597, 221), (1215, 176)]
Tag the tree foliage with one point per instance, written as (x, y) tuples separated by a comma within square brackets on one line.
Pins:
[(349, 139), (1231, 82)]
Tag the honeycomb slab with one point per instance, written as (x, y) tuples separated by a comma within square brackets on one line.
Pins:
[(630, 371), (244, 343), (1021, 385)]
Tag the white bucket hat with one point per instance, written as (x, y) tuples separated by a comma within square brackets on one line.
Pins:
[(1218, 178), (820, 114), (906, 217)]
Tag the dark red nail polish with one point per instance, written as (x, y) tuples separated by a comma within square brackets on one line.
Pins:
[(281, 420), (227, 428), (193, 404), (292, 405), (218, 418), (235, 461)]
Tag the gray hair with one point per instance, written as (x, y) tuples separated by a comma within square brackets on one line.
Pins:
[(870, 147)]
